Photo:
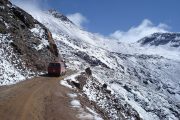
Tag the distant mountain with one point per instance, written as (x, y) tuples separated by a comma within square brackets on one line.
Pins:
[(162, 39), (26, 46)]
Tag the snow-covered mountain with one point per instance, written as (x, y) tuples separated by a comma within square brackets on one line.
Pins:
[(162, 44), (162, 39), (144, 81)]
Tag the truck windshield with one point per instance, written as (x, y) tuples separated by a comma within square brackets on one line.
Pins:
[(54, 65)]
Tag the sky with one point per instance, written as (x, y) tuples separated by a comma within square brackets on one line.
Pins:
[(107, 16), (118, 18)]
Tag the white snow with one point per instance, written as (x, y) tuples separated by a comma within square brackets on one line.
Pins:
[(7, 25), (82, 114), (143, 114), (72, 95), (70, 78), (40, 32), (9, 74), (166, 52), (89, 116), (64, 83), (95, 115), (75, 103)]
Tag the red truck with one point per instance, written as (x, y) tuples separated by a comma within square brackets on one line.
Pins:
[(56, 69)]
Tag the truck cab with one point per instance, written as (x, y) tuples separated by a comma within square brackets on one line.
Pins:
[(56, 69)]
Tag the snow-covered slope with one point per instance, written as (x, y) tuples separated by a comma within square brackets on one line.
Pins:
[(148, 83), (162, 44)]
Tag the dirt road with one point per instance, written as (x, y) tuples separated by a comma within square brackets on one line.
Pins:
[(41, 98)]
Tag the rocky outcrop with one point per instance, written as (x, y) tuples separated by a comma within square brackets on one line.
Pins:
[(59, 15), (31, 41), (90, 59)]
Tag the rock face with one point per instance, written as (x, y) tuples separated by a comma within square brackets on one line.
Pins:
[(31, 41)]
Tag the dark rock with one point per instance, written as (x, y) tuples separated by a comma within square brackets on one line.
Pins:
[(104, 86), (171, 91), (21, 15), (127, 88), (77, 85), (59, 15), (88, 71), (145, 82), (90, 59), (108, 91), (4, 2)]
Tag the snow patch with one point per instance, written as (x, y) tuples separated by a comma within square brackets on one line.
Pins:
[(75, 103), (69, 78), (72, 95), (40, 32), (64, 83)]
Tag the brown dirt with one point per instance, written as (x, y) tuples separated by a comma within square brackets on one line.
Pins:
[(41, 98)]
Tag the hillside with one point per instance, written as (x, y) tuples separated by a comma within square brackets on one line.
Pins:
[(26, 46)]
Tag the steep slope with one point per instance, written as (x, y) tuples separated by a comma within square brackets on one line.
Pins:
[(26, 46), (139, 80), (144, 85)]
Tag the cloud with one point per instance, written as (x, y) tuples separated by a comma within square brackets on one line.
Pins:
[(31, 4), (136, 33), (78, 19)]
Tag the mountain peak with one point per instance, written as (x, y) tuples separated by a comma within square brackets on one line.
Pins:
[(57, 14)]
